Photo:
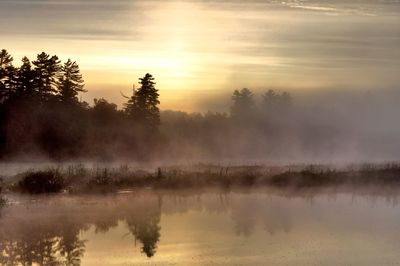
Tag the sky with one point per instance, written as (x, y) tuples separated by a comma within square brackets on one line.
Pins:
[(198, 50)]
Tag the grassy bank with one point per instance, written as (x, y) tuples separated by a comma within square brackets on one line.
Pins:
[(78, 178)]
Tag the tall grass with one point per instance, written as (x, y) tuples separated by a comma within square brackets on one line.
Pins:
[(2, 199), (80, 179)]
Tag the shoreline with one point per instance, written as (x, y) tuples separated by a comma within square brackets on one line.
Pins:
[(81, 179)]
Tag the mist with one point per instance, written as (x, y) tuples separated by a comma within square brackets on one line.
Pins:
[(320, 127), (146, 227), (335, 126), (199, 132)]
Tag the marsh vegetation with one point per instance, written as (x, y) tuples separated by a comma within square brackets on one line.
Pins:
[(81, 179), (2, 199)]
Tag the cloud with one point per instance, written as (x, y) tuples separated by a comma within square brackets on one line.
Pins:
[(218, 45)]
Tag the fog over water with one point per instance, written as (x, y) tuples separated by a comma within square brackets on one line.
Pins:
[(260, 132), (161, 228)]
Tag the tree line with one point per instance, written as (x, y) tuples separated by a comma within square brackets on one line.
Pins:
[(41, 114), (40, 110)]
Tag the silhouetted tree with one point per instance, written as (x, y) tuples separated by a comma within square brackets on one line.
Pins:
[(105, 128), (6, 80), (71, 82), (243, 104), (5, 59), (25, 80), (273, 100), (270, 98), (104, 112), (7, 73), (47, 73), (36, 115), (286, 98), (143, 105)]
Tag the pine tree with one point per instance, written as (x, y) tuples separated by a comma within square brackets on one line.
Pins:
[(25, 79), (143, 105), (243, 104), (7, 75), (47, 73), (276, 103), (71, 82), (5, 59)]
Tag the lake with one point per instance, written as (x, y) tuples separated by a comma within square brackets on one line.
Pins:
[(253, 227)]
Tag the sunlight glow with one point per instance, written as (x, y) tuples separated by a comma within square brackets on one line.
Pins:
[(212, 46)]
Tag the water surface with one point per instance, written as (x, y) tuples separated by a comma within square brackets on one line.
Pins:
[(210, 228)]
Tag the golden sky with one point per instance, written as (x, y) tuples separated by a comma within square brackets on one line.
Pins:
[(203, 49)]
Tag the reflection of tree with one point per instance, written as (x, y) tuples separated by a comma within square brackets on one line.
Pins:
[(147, 232), (249, 211), (276, 218), (42, 245), (103, 224), (46, 251), (146, 227), (28, 251), (37, 236), (72, 247), (244, 217)]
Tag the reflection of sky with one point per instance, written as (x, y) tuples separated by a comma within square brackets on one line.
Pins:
[(327, 228), (201, 46), (332, 229)]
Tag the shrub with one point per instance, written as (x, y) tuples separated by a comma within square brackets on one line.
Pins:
[(248, 179), (101, 178), (42, 182)]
